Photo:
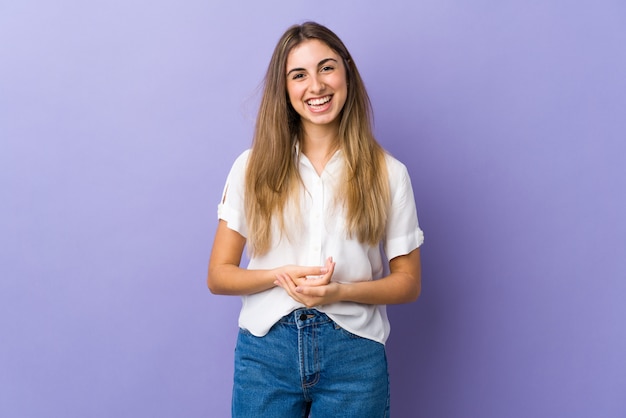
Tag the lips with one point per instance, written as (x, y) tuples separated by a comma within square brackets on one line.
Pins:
[(319, 103)]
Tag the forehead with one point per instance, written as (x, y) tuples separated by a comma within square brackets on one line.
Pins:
[(309, 53)]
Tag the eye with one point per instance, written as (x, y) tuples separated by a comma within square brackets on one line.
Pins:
[(327, 68), (297, 76)]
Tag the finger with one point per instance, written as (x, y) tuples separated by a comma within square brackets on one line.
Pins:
[(329, 262), (310, 292), (287, 283), (280, 282), (315, 281), (312, 272), (322, 279), (331, 267), (297, 293)]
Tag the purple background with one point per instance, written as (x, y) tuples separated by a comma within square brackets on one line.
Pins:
[(119, 121)]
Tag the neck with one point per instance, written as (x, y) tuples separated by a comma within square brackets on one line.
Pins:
[(319, 144), (315, 136)]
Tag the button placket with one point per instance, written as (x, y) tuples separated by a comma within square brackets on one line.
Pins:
[(315, 222)]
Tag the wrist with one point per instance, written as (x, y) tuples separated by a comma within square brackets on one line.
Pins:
[(343, 292)]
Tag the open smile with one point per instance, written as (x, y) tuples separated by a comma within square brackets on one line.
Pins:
[(319, 104)]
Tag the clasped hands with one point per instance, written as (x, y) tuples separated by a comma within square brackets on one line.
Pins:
[(310, 286)]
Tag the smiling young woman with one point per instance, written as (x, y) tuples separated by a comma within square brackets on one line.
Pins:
[(317, 87), (313, 201)]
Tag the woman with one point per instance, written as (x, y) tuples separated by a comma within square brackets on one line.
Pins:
[(314, 200)]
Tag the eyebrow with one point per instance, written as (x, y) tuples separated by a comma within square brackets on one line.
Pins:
[(319, 64)]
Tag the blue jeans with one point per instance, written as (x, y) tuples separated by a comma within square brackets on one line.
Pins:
[(307, 364)]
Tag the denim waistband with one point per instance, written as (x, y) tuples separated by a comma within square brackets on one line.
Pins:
[(304, 317)]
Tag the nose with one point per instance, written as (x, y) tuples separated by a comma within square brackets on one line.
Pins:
[(317, 85)]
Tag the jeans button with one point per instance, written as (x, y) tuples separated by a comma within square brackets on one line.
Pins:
[(302, 317)]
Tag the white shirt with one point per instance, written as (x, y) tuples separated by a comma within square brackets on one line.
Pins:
[(318, 233)]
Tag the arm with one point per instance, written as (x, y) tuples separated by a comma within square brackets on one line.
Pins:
[(227, 278), (402, 285)]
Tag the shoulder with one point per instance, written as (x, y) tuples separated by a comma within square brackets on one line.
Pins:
[(243, 157), (237, 171), (395, 167), (241, 162), (400, 184)]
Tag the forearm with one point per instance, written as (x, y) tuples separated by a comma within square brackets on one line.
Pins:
[(402, 285), (225, 276), (393, 289), (229, 279)]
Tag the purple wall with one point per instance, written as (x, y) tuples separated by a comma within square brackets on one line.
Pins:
[(119, 121)]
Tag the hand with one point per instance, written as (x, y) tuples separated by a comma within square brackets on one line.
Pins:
[(311, 290), (315, 276)]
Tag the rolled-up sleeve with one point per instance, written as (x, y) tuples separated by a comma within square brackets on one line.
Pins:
[(403, 233), (231, 206)]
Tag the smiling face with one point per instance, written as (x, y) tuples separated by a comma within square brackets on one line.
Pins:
[(316, 84)]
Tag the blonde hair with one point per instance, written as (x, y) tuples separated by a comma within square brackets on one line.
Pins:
[(272, 177)]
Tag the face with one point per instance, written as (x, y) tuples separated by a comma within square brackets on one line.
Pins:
[(316, 83)]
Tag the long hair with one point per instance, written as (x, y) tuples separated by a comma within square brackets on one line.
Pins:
[(272, 177)]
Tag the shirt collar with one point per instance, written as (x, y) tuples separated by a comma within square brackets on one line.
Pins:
[(332, 166)]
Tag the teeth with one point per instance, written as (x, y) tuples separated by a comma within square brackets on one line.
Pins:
[(318, 102)]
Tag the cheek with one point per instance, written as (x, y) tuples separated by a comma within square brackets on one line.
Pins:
[(293, 94), (292, 100), (342, 89)]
